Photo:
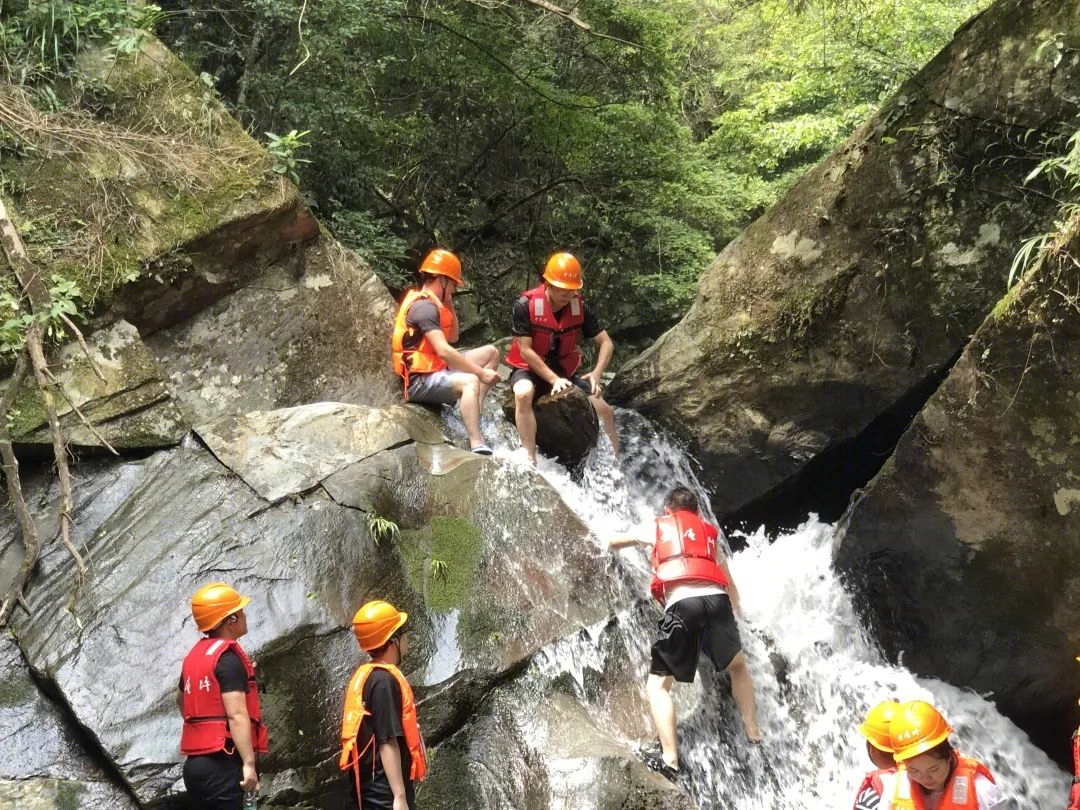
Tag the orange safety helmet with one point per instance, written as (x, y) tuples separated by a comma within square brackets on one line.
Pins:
[(916, 727), (563, 271), (876, 725), (442, 263), (214, 603), (375, 622)]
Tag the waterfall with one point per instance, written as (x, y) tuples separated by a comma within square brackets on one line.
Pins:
[(816, 671)]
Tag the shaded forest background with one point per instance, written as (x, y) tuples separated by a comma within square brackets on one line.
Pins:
[(640, 134)]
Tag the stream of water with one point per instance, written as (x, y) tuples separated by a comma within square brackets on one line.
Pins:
[(815, 669)]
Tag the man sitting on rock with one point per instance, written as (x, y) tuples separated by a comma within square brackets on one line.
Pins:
[(547, 323), (425, 326)]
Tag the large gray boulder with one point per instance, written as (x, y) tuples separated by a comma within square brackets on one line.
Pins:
[(42, 766), (566, 426), (466, 560), (116, 385), (963, 549), (871, 274)]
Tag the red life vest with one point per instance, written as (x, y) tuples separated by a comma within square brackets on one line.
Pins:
[(685, 550), (562, 330), (960, 793), (206, 726), (355, 712), (1074, 791), (873, 780), (422, 359)]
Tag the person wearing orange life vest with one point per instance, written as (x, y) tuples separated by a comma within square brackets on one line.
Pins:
[(382, 750), (692, 581), (875, 728), (219, 701), (434, 372), (931, 774), (547, 323)]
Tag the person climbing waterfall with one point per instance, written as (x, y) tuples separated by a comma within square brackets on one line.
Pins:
[(692, 581), (381, 746), (218, 698), (435, 372), (875, 728), (547, 323), (931, 774)]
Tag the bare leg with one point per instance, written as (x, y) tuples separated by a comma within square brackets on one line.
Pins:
[(467, 387), (658, 688), (486, 357), (607, 418), (524, 417), (742, 690)]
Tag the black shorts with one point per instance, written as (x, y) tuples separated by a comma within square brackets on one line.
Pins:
[(687, 627), (543, 387), (213, 781)]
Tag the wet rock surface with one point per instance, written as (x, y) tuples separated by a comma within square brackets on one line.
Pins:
[(874, 270), (566, 426), (970, 531), (464, 560), (42, 765)]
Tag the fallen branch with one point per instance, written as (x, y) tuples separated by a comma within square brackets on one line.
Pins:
[(33, 286)]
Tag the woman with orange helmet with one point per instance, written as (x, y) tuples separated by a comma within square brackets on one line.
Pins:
[(547, 323), (433, 371), (931, 774), (875, 728), (219, 700), (381, 746)]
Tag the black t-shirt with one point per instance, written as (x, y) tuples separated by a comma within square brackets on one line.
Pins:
[(382, 698), (423, 317), (520, 326), (230, 673)]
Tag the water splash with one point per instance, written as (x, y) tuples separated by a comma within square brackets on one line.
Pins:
[(815, 669)]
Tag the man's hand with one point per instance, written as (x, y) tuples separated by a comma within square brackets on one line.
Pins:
[(250, 780), (401, 803), (593, 378), (489, 376), (560, 385)]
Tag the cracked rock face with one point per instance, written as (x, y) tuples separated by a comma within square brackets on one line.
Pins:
[(118, 388), (971, 529), (468, 560), (42, 766), (876, 267)]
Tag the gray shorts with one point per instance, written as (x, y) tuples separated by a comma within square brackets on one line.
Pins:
[(433, 388)]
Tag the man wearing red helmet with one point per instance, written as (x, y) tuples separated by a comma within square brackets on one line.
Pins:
[(435, 372), (382, 750), (547, 323), (219, 700)]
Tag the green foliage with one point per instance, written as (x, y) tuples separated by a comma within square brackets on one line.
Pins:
[(381, 528), (283, 148), (41, 39), (63, 294), (507, 133)]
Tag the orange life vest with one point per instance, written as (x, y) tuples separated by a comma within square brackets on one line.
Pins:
[(873, 780), (549, 329), (355, 712), (206, 726), (685, 550), (422, 359), (960, 793)]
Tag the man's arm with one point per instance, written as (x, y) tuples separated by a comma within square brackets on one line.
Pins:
[(448, 302), (535, 361), (240, 731), (603, 357), (390, 754), (732, 591), (456, 360), (639, 537), (180, 700)]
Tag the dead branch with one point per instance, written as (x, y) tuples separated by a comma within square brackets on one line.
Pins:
[(29, 278), (27, 528), (86, 349)]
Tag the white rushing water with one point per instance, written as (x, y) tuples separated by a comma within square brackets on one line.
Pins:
[(815, 670)]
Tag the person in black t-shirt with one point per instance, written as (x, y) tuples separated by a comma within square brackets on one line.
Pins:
[(382, 749), (547, 323)]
